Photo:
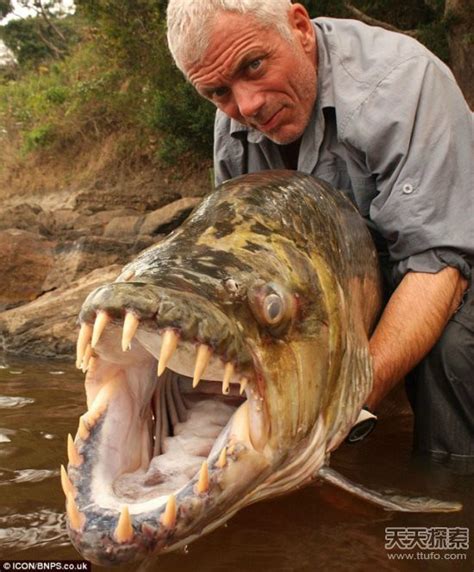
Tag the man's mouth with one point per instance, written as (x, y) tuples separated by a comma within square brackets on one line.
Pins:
[(270, 123)]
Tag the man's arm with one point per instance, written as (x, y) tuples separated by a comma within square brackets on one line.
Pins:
[(411, 323)]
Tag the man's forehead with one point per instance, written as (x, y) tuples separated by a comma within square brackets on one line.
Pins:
[(232, 38)]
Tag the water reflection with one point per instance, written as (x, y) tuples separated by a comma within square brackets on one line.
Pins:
[(317, 528)]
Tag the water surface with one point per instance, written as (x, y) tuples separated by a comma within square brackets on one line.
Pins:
[(317, 528)]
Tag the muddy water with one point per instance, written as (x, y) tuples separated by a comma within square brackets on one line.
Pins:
[(317, 528)]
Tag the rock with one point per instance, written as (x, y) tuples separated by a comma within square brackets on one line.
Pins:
[(169, 217), (95, 223), (125, 227), (25, 216), (77, 258), (47, 327), (26, 259)]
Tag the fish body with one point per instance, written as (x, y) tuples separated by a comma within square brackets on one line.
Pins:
[(223, 365)]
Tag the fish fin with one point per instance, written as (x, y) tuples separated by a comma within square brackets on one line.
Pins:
[(387, 501)]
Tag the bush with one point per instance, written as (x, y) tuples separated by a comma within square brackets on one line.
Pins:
[(38, 137)]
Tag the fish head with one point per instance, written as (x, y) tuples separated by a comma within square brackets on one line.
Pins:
[(217, 369)]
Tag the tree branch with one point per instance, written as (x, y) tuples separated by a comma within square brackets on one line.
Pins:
[(58, 52), (374, 22), (47, 19)]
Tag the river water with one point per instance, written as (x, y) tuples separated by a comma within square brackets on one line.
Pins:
[(319, 528)]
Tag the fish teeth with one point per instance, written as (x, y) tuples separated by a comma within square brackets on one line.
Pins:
[(66, 484), (228, 373), (243, 384), (222, 460), (203, 482), (75, 516), (202, 361), (168, 347), (168, 518), (101, 321), (83, 431), (124, 529), (83, 339), (130, 325), (73, 456), (86, 358)]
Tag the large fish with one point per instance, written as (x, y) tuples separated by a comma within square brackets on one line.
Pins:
[(257, 313)]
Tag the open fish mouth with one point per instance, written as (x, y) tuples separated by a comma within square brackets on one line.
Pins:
[(176, 426)]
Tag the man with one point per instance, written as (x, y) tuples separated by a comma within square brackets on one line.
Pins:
[(379, 117)]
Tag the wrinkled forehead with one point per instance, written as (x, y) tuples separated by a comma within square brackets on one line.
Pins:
[(226, 31)]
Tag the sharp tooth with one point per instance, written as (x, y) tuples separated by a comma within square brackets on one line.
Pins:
[(228, 373), (75, 516), (96, 411), (130, 325), (91, 366), (168, 346), (86, 358), (203, 483), (82, 431), (168, 518), (128, 275), (66, 483), (222, 460), (73, 456), (124, 529), (101, 321), (83, 340), (202, 361), (243, 385)]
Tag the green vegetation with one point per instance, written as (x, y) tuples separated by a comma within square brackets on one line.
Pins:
[(105, 74)]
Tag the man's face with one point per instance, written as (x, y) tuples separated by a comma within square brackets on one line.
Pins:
[(258, 77)]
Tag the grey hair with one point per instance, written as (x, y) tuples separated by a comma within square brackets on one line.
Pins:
[(189, 23)]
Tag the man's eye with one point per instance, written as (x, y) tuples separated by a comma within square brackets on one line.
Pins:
[(255, 64), (219, 92)]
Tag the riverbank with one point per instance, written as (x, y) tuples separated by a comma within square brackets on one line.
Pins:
[(58, 245)]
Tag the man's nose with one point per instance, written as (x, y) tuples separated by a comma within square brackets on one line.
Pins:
[(249, 100)]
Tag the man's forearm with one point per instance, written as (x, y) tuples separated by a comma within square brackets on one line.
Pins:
[(411, 323)]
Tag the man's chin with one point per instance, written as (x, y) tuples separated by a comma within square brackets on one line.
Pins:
[(281, 138)]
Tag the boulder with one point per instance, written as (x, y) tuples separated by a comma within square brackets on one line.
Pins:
[(169, 217), (26, 258), (47, 327), (124, 227), (24, 216), (77, 258)]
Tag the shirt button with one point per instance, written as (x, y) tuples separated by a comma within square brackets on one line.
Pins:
[(408, 188)]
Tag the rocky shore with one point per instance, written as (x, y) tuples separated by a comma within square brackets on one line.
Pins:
[(56, 248)]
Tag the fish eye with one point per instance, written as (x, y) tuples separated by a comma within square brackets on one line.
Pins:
[(273, 308)]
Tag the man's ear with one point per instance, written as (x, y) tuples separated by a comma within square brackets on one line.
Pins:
[(302, 26)]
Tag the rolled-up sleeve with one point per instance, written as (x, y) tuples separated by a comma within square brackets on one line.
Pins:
[(417, 141)]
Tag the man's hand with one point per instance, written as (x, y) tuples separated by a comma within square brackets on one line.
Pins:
[(411, 323)]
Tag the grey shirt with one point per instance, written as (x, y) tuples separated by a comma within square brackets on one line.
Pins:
[(391, 129)]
